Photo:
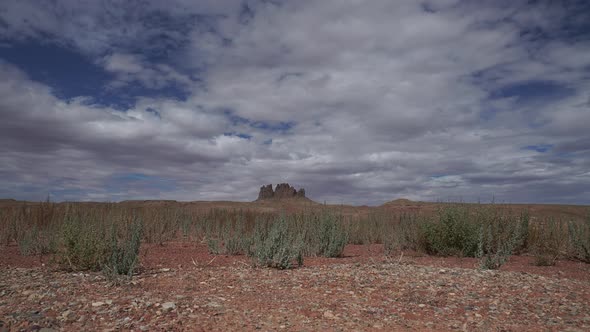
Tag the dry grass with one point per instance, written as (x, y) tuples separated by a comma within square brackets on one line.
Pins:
[(492, 232)]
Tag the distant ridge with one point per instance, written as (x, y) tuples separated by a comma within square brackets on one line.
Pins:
[(400, 202)]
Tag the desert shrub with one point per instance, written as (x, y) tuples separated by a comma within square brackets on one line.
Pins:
[(495, 246), (332, 236), (237, 241), (229, 238), (323, 233), (369, 229), (85, 244), (161, 225), (108, 241), (499, 237), (187, 225), (404, 234), (37, 241), (26, 243), (478, 231), (213, 246), (123, 249), (579, 239), (10, 225), (454, 233), (31, 226), (279, 248), (547, 241), (258, 236)]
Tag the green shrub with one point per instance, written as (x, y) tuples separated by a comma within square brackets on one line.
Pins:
[(230, 239), (460, 230), (454, 233), (579, 238), (332, 237), (161, 225), (279, 248), (110, 245), (547, 241), (213, 246), (124, 250), (369, 229), (404, 234), (85, 244), (36, 241), (499, 237), (493, 253)]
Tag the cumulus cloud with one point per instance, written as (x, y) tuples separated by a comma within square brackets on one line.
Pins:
[(358, 102)]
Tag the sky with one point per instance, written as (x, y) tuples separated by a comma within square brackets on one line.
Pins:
[(359, 102)]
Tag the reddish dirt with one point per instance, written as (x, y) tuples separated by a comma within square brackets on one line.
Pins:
[(182, 287), (187, 254)]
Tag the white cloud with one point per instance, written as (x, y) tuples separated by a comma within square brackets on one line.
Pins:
[(386, 99)]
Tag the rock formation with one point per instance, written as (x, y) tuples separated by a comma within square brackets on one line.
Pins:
[(301, 193), (266, 192), (282, 190)]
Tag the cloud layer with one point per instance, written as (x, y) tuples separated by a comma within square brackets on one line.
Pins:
[(359, 102)]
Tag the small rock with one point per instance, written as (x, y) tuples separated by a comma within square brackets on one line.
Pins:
[(98, 304), (167, 306), (328, 314), (421, 305)]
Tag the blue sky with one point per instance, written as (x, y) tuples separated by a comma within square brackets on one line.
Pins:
[(358, 102)]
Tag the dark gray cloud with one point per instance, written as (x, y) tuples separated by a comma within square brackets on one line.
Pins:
[(358, 102)]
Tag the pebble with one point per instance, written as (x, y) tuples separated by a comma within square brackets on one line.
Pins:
[(328, 314), (167, 306)]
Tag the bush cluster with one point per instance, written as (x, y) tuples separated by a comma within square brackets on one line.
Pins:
[(97, 245), (108, 236), (579, 238)]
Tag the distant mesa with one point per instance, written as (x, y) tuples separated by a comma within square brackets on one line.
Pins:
[(401, 201), (282, 191)]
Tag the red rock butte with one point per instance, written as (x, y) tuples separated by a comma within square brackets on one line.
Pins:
[(282, 191)]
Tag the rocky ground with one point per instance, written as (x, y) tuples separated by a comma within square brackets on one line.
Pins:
[(347, 294)]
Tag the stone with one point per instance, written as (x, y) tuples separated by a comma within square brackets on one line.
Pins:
[(167, 306), (98, 304), (66, 314), (329, 314)]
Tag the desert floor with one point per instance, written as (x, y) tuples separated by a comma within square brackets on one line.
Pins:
[(180, 286)]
